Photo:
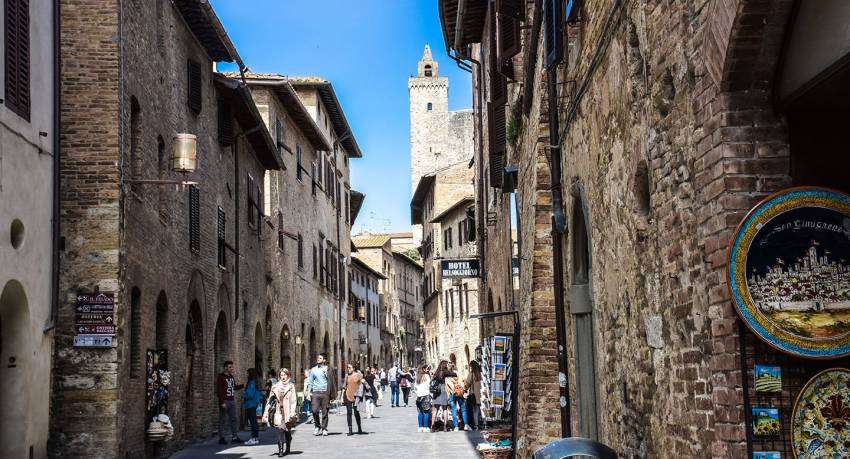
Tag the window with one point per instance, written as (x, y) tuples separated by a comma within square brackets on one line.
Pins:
[(552, 20), (225, 124), (252, 205), (300, 252), (278, 134), (313, 168), (428, 72), (430, 106), (17, 40), (315, 262), (195, 99), (280, 234), (222, 244), (194, 219), (298, 173), (460, 225)]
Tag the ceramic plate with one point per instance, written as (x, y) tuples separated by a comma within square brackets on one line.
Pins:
[(821, 420)]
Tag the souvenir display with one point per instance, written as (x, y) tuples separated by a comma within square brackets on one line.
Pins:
[(500, 371), (158, 380), (496, 359), (821, 419), (789, 272), (768, 379), (766, 422), (766, 455)]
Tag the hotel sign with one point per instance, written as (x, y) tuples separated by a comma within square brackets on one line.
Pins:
[(460, 268)]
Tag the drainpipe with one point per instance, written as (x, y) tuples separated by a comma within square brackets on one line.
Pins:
[(54, 274)]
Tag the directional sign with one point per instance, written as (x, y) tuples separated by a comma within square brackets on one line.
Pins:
[(95, 319), (96, 329), (95, 303), (94, 341)]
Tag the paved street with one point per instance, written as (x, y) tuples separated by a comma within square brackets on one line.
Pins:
[(393, 430)]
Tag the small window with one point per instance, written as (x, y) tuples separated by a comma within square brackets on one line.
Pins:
[(430, 106), (194, 219), (280, 234), (428, 72), (313, 168), (222, 244), (315, 262), (300, 252), (195, 98), (225, 124), (298, 174), (17, 40)]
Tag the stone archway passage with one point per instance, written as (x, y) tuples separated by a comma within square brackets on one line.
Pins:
[(15, 349)]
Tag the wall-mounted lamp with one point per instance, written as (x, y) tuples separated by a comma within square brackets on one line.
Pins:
[(298, 339), (184, 159)]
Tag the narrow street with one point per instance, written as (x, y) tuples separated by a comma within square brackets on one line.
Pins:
[(392, 430)]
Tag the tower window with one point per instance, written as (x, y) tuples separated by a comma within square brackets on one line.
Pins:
[(428, 71), (430, 106)]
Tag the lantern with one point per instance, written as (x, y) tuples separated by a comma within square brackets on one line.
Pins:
[(184, 156)]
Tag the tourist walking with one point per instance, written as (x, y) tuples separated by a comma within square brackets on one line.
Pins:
[(454, 386), (384, 380), (352, 395), (307, 394), (473, 395), (422, 391), (405, 382), (320, 384), (440, 403), (225, 388), (281, 411), (392, 377), (371, 396), (251, 399)]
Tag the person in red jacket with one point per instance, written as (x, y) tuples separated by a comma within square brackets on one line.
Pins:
[(225, 388)]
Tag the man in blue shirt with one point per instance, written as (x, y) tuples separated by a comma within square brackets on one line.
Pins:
[(392, 376), (320, 401)]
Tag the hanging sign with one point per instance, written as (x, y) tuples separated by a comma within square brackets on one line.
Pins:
[(460, 268), (94, 321), (789, 272)]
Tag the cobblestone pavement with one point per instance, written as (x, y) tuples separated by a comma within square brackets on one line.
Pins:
[(392, 430)]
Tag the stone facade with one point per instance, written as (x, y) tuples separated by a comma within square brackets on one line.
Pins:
[(209, 273), (670, 134), (408, 279), (28, 132), (364, 326)]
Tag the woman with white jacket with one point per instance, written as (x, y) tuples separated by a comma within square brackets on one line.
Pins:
[(284, 399), (422, 390)]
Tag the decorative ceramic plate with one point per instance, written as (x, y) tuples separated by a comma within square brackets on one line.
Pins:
[(789, 272), (821, 420)]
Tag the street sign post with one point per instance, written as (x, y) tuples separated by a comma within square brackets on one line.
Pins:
[(94, 321)]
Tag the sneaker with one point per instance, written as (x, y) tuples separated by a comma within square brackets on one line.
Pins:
[(466, 428), (456, 429), (325, 433), (317, 431), (252, 441), (222, 441)]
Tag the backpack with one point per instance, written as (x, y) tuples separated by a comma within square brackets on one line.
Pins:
[(425, 404), (436, 388)]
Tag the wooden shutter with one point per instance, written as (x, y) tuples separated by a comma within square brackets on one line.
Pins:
[(498, 143), (508, 32), (498, 83), (259, 203), (280, 230), (225, 124), (194, 219), (17, 37), (552, 25), (194, 83)]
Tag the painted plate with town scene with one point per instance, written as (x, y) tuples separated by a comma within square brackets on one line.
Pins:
[(789, 272), (821, 421)]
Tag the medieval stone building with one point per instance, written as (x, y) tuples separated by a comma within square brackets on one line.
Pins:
[(631, 138)]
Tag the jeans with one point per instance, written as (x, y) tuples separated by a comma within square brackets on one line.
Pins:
[(320, 404), (474, 410), (228, 410), (251, 412), (394, 393), (406, 393), (306, 406), (455, 400), (349, 407), (424, 418)]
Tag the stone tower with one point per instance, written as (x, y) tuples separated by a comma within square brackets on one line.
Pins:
[(429, 117)]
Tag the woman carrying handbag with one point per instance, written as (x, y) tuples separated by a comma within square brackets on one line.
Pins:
[(281, 411)]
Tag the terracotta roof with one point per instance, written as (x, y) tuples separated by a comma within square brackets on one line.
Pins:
[(367, 240), (331, 102), (407, 234), (284, 91)]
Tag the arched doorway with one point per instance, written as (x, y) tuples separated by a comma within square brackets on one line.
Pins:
[(194, 365), (15, 349), (266, 364), (581, 314), (285, 356)]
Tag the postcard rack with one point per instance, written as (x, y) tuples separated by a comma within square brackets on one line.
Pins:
[(795, 372), (496, 357)]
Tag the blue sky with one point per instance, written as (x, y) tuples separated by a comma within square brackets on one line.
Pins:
[(367, 51)]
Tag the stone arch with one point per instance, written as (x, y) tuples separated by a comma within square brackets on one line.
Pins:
[(259, 347), (285, 351), (195, 392), (326, 350), (15, 352), (267, 343)]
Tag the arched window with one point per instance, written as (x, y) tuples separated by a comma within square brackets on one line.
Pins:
[(135, 333), (430, 106), (428, 71)]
